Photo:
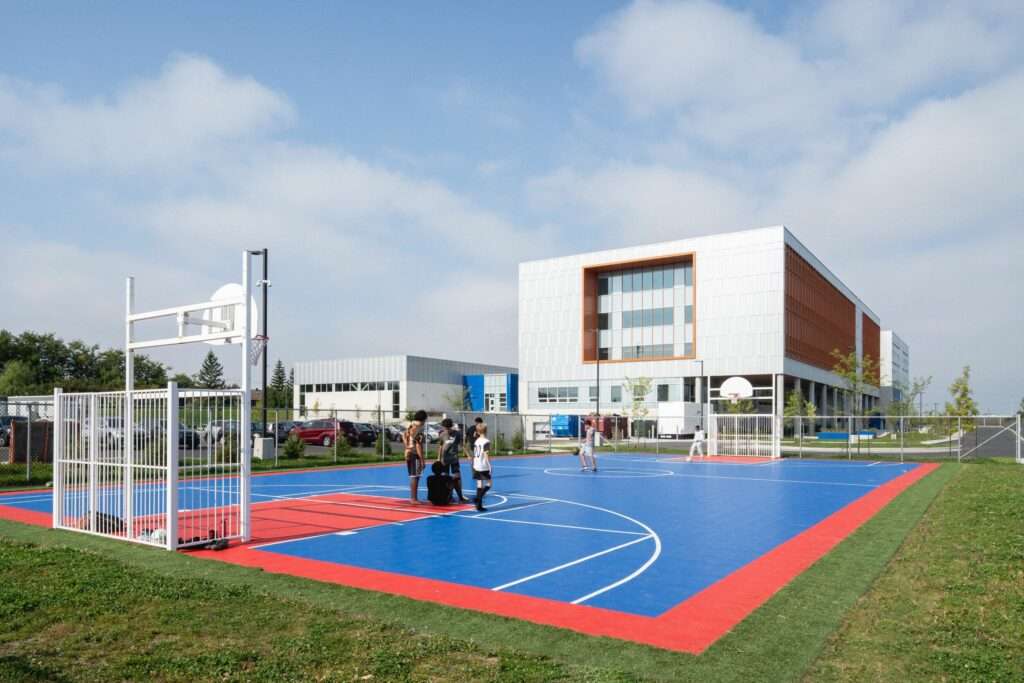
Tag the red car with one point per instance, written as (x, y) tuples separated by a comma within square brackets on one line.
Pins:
[(322, 432)]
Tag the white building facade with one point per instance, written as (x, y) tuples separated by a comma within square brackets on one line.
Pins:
[(392, 385), (894, 368), (688, 314)]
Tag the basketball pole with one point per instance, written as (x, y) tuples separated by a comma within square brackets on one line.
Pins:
[(263, 330)]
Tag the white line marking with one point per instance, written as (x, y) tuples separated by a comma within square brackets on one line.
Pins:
[(650, 560), (570, 564), (557, 526), (877, 462), (510, 509)]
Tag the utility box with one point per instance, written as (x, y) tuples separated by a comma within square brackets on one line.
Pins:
[(263, 448)]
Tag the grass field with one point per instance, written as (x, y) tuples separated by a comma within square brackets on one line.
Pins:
[(930, 589)]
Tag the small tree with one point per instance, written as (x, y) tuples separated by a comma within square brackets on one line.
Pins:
[(457, 398), (290, 388), (743, 406), (278, 389), (963, 404), (183, 381), (294, 447), (342, 448), (383, 446), (638, 389), (17, 378), (857, 374), (211, 374)]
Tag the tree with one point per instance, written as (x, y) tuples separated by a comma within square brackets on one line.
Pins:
[(16, 379), (857, 374), (211, 374), (457, 398), (1020, 408), (638, 389), (743, 406), (963, 404), (796, 406), (291, 388), (278, 390), (183, 381)]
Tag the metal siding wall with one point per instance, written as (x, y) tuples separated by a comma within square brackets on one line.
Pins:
[(819, 317), (475, 383), (512, 391)]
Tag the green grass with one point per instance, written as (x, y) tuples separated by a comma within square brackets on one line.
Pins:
[(951, 605), (75, 607)]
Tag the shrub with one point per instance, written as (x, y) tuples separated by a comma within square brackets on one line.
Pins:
[(342, 448), (294, 447), (383, 446), (499, 443), (517, 441)]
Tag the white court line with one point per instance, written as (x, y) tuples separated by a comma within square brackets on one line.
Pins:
[(557, 526), (570, 564), (35, 498), (626, 579)]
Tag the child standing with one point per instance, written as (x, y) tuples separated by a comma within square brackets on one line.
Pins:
[(481, 466)]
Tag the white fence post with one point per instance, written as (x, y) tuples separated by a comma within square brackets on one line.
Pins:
[(93, 466), (171, 524), (58, 454), (1019, 439)]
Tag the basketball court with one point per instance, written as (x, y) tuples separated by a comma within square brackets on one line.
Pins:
[(653, 550)]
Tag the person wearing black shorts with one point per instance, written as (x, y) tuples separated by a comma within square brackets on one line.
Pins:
[(448, 449), (439, 485)]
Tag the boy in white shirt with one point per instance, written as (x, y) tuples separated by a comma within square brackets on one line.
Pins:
[(481, 466), (698, 443)]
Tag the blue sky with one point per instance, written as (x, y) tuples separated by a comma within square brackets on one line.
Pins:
[(427, 148)]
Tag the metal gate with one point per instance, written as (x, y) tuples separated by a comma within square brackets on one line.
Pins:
[(158, 467), (754, 436)]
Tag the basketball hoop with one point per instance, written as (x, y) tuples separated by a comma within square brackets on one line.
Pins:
[(256, 346)]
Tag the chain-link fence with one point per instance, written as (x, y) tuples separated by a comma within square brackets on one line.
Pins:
[(904, 437), (26, 441)]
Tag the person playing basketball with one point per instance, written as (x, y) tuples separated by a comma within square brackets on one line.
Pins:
[(448, 449), (587, 458), (698, 443)]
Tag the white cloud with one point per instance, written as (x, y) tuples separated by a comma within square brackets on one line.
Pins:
[(730, 82), (185, 116)]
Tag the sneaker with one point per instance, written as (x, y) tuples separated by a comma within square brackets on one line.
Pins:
[(584, 469), (595, 469)]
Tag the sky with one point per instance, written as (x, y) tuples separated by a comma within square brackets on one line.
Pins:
[(400, 159)]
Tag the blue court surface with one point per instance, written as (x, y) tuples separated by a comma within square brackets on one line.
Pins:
[(640, 536)]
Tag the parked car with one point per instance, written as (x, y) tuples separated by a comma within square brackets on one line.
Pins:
[(216, 430), (110, 431), (367, 434), (394, 432), (188, 437), (432, 430), (5, 427), (280, 430), (323, 432)]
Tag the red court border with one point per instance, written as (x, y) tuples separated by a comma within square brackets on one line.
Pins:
[(691, 626)]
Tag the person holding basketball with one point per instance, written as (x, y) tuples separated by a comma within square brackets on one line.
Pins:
[(414, 459)]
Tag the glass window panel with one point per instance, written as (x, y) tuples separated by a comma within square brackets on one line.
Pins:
[(648, 280), (602, 285), (602, 321), (662, 393), (616, 394), (689, 314), (638, 281), (648, 318), (669, 279), (603, 353), (688, 275), (593, 392), (627, 319), (658, 278), (674, 392), (656, 317), (667, 317), (627, 282), (616, 283), (688, 349)]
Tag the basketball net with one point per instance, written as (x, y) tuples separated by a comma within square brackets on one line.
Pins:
[(256, 346)]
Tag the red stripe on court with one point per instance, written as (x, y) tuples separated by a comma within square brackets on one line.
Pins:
[(25, 516)]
